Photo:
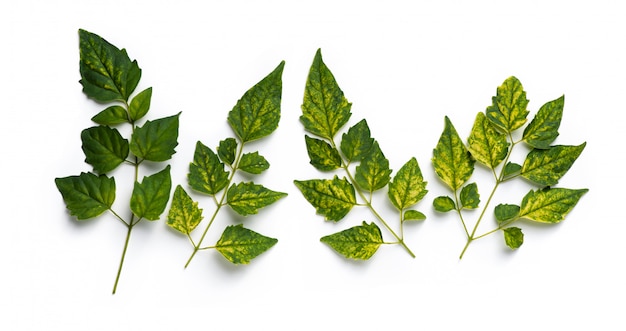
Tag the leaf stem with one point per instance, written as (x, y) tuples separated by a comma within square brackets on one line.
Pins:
[(119, 270)]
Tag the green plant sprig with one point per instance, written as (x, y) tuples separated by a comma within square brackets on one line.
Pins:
[(255, 116), (110, 77), (491, 143), (325, 110)]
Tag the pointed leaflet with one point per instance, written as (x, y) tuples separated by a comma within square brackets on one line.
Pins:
[(253, 163), (111, 116), (451, 160), (549, 205), (248, 198), (323, 156), (544, 128), (106, 71), (359, 242), (444, 204), (104, 148), (357, 142), (156, 140), (140, 105), (184, 214), (206, 172), (508, 110), (324, 109), (226, 150), (547, 166), (87, 195), (240, 245), (257, 113), (487, 145), (513, 237), (373, 173), (331, 198), (408, 186), (150, 197), (469, 196)]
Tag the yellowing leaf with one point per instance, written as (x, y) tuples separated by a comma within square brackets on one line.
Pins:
[(408, 186), (469, 196), (451, 160), (240, 245), (206, 172), (487, 145), (508, 110), (547, 166), (359, 242), (248, 198), (373, 173), (549, 205), (357, 142), (544, 128), (513, 237), (184, 214), (331, 198), (322, 155), (444, 204), (253, 163)]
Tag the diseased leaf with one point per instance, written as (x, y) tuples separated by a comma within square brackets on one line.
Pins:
[(206, 172), (513, 237), (487, 145), (87, 195), (413, 215), (547, 166), (156, 140), (150, 197), (451, 160), (357, 142), (184, 214), (408, 186), (257, 113), (140, 105), (324, 109), (323, 156), (331, 198), (549, 205), (104, 148), (111, 116), (444, 204), (544, 128), (511, 168), (359, 242), (506, 212), (226, 150), (240, 245), (248, 198), (469, 196), (253, 163), (373, 173), (508, 109)]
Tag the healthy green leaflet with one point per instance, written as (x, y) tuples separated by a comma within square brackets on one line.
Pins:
[(365, 169), (108, 76), (253, 117), (491, 143)]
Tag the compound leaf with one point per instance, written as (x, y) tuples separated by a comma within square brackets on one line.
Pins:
[(373, 173), (544, 128), (357, 142), (206, 172), (444, 204), (408, 186), (240, 245), (248, 198), (156, 140), (226, 150), (253, 163), (508, 109), (547, 166), (331, 198), (104, 148), (469, 196), (184, 214), (487, 145), (111, 116), (322, 155), (149, 198), (140, 105), (87, 195), (451, 159), (513, 237), (549, 205), (359, 242)]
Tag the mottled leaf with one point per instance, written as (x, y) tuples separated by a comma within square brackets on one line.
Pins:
[(331, 198), (506, 212), (544, 128), (413, 215), (359, 242), (511, 168), (408, 186), (322, 155), (140, 105), (357, 142), (469, 196), (451, 160), (549, 205), (373, 173), (240, 245), (156, 140), (226, 150), (206, 172), (111, 116), (184, 214), (87, 195), (444, 204), (149, 198), (508, 109), (547, 166), (487, 145), (248, 198), (104, 148), (253, 163), (513, 237)]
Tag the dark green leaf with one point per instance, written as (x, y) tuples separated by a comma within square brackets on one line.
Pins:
[(444, 204), (451, 160), (359, 242), (87, 195), (487, 145), (257, 113), (513, 237), (413, 215), (323, 156), (508, 110), (331, 198), (111, 116), (549, 205), (505, 212), (206, 172), (156, 140), (140, 104), (240, 245), (253, 163), (248, 198), (104, 148), (373, 173), (184, 214), (544, 128), (408, 186), (324, 109), (511, 168), (469, 196), (150, 197), (357, 142), (547, 166), (227, 149)]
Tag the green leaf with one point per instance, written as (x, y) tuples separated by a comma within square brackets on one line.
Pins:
[(206, 172), (111, 116), (248, 198), (408, 186), (104, 148), (444, 204), (469, 196), (549, 205), (140, 104), (547, 166), (413, 215), (360, 242), (487, 145), (240, 245), (506, 212), (544, 128), (150, 197), (451, 160), (511, 168), (508, 109), (156, 140), (184, 214), (357, 142), (324, 109), (253, 163), (331, 198), (226, 150), (513, 237), (107, 72), (87, 195), (323, 156), (373, 173), (257, 113)]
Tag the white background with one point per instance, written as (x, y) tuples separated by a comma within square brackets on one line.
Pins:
[(404, 66)]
